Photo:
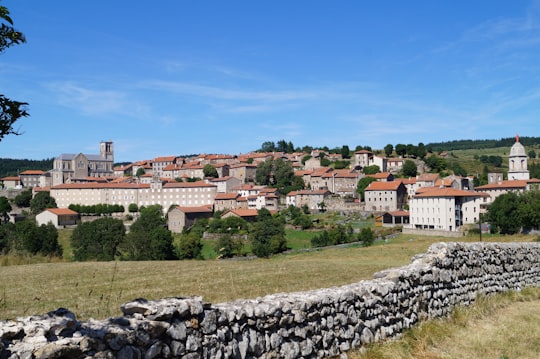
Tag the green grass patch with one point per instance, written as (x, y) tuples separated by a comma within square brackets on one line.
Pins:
[(298, 238)]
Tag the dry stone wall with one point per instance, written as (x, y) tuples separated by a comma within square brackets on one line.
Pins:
[(313, 324)]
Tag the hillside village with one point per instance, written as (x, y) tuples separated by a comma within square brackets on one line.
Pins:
[(182, 187)]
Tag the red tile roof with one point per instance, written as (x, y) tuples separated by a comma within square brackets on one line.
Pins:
[(448, 192), (384, 186), (226, 196), (243, 212), (504, 184), (165, 159), (199, 209), (62, 211)]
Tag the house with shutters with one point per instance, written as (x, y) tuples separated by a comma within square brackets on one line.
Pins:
[(310, 198), (385, 196), (445, 209)]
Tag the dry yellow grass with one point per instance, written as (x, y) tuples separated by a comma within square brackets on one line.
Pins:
[(503, 327), (96, 289)]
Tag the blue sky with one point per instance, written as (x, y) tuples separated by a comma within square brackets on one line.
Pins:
[(179, 77)]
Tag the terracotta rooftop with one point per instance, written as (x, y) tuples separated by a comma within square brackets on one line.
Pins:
[(504, 184), (383, 186), (61, 211), (448, 192)]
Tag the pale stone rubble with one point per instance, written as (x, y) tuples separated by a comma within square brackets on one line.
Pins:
[(313, 324)]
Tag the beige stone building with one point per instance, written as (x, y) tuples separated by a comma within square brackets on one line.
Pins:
[(186, 194), (69, 168), (180, 217), (385, 196), (313, 199)]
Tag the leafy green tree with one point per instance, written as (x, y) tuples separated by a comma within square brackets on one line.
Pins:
[(529, 209), (140, 172), (148, 238), (49, 240), (5, 208), (421, 151), (210, 171), (98, 240), (436, 163), (275, 173), (10, 110), (401, 149), (133, 208), (268, 146), (227, 246), (41, 201), (532, 154), (23, 199), (363, 183), (388, 150), (189, 246), (458, 170), (345, 152), (409, 168), (366, 237), (411, 150), (268, 235), (371, 170), (321, 240), (504, 214)]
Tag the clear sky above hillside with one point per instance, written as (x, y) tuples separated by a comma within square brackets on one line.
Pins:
[(179, 77)]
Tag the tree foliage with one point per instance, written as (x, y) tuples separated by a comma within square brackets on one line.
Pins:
[(41, 201), (511, 212), (26, 237), (371, 170), (189, 246), (409, 169), (228, 246), (388, 150), (148, 238), (363, 183), (210, 171), (12, 167), (366, 236), (5, 208), (268, 235), (10, 110), (98, 239), (278, 174), (23, 199)]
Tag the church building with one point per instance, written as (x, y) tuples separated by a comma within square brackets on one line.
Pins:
[(517, 162)]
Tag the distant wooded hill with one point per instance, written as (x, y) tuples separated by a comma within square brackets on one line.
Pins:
[(479, 144), (11, 167)]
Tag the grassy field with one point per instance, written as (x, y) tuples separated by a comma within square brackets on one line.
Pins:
[(96, 289), (502, 327)]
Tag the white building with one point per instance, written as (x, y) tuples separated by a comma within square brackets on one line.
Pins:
[(186, 194), (445, 209), (517, 162)]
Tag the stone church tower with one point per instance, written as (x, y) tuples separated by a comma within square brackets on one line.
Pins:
[(517, 162)]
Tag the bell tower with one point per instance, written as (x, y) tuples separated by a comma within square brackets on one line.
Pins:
[(106, 150), (517, 162)]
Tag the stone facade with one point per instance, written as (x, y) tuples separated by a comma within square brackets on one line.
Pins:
[(313, 324)]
